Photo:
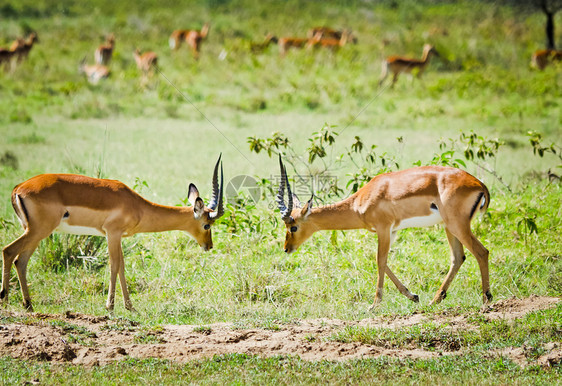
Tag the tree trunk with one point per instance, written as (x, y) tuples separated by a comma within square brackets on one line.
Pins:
[(550, 30)]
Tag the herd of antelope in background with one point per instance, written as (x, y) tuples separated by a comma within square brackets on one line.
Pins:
[(317, 37)]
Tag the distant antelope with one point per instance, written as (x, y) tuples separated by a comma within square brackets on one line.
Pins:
[(17, 47), (543, 58), (398, 64), (94, 72), (286, 43), (26, 47), (260, 47), (330, 33), (105, 51), (193, 38), (319, 41), (146, 62)]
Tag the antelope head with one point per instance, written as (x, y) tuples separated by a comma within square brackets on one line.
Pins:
[(206, 216), (299, 229)]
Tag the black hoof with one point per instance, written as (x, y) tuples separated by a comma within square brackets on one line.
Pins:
[(27, 305), (416, 299), (3, 294), (488, 297)]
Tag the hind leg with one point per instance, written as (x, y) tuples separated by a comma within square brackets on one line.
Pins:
[(19, 252), (467, 238)]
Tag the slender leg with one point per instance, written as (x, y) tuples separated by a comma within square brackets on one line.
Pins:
[(382, 256), (457, 258), (394, 79), (123, 283), (115, 259), (384, 73), (401, 287), (18, 253), (467, 238)]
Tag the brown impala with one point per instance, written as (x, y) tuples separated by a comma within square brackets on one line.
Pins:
[(83, 205), (417, 197)]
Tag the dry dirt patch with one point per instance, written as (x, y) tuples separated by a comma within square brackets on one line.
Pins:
[(92, 340)]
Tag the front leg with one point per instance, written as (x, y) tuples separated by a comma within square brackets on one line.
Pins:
[(115, 261), (382, 256)]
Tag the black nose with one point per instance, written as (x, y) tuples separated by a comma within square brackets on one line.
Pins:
[(286, 250)]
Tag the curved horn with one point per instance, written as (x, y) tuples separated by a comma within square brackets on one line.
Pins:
[(215, 186), (285, 210), (220, 210)]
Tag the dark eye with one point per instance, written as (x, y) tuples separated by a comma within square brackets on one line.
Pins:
[(293, 229), (206, 227)]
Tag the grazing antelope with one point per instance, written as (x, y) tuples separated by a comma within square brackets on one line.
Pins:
[(192, 37), (286, 43), (94, 72), (398, 64), (543, 58), (256, 48), (83, 205), (319, 41), (417, 197), (146, 62), (330, 33), (105, 51)]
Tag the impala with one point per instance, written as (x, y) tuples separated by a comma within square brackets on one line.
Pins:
[(192, 37), (417, 197), (24, 47), (330, 33), (543, 58), (146, 62), (77, 204), (320, 40), (105, 51), (94, 72), (398, 64), (286, 43)]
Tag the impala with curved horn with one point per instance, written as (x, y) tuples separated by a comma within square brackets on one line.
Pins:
[(417, 197), (83, 205)]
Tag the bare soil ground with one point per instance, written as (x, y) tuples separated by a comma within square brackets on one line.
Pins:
[(94, 340)]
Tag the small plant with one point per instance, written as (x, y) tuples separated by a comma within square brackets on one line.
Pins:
[(204, 330), (539, 149)]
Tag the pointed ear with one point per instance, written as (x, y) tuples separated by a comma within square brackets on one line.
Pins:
[(192, 194), (307, 208), (198, 208), (296, 201)]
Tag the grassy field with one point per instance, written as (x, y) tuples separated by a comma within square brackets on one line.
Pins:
[(160, 135)]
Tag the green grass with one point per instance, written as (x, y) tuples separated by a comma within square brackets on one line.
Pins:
[(533, 331), (158, 137), (244, 369)]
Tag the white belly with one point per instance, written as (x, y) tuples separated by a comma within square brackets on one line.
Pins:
[(420, 222), (78, 230)]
